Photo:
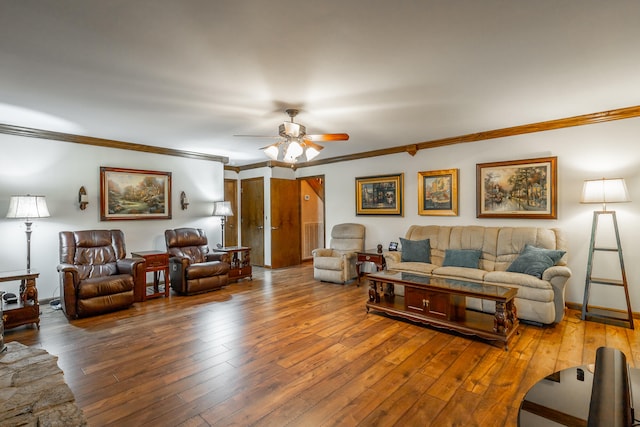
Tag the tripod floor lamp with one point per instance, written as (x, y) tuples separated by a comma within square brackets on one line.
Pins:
[(605, 191), (28, 207), (223, 210)]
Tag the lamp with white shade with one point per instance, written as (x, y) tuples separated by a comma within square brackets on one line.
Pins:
[(28, 207), (223, 210), (605, 191)]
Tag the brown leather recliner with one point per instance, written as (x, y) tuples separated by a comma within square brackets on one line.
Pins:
[(192, 268), (95, 275)]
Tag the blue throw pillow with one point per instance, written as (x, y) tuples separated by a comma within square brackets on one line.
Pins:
[(469, 258), (415, 250), (534, 261)]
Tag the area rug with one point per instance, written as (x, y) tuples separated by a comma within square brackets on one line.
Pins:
[(33, 391)]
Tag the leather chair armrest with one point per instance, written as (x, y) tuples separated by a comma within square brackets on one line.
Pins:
[(218, 256), (130, 265), (69, 279), (177, 270)]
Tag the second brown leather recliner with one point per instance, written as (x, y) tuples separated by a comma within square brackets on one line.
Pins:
[(191, 267)]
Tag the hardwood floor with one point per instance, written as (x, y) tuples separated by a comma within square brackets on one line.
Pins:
[(285, 350)]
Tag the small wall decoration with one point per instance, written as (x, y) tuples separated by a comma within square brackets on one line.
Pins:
[(127, 194), (438, 192), (380, 195), (517, 189)]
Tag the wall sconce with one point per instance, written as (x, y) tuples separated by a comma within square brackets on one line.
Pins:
[(184, 200), (83, 199)]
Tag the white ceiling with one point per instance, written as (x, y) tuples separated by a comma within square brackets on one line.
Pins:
[(190, 74)]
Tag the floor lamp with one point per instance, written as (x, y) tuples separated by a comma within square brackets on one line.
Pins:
[(605, 190), (28, 207), (223, 210)]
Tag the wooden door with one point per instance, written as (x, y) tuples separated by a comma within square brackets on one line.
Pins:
[(252, 218), (285, 223), (231, 224)]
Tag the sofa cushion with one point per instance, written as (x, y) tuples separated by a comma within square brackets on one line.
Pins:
[(462, 273), (534, 261), (468, 258), (415, 250)]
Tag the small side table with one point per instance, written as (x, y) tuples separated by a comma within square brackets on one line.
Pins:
[(27, 309), (240, 259), (369, 255), (156, 262)]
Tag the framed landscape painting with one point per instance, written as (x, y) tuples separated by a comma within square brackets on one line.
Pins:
[(380, 195), (438, 192), (128, 194), (517, 189)]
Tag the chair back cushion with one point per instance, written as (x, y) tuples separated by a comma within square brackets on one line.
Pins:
[(187, 243), (94, 252), (347, 237)]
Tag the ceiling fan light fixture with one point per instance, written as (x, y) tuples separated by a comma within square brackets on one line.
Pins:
[(311, 153), (291, 130), (294, 150), (295, 144), (272, 151)]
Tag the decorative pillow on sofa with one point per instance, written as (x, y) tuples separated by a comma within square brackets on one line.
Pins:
[(534, 261), (415, 250), (469, 258)]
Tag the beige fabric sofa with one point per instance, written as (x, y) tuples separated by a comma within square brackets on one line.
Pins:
[(338, 262), (540, 300)]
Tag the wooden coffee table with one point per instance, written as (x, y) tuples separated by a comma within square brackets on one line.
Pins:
[(442, 303)]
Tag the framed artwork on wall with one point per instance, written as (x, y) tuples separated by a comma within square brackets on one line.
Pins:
[(517, 189), (438, 192), (380, 195), (128, 194)]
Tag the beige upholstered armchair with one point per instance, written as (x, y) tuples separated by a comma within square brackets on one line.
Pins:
[(338, 262)]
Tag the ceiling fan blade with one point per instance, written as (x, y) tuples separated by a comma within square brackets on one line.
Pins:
[(313, 145), (328, 137), (258, 136), (267, 146)]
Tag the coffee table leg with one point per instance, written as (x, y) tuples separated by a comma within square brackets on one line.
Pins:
[(500, 321), (374, 296)]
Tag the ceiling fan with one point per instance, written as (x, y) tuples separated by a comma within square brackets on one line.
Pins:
[(296, 143)]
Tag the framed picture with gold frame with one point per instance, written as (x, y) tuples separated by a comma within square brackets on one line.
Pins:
[(380, 195), (517, 189), (438, 192), (130, 194)]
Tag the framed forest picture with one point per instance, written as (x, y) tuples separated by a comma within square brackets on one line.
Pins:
[(130, 194), (517, 189)]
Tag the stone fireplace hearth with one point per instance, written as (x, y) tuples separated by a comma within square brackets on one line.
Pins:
[(33, 391)]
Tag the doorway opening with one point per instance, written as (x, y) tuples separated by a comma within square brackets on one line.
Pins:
[(312, 228)]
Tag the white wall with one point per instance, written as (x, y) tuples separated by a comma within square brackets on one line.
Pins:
[(57, 170), (609, 150)]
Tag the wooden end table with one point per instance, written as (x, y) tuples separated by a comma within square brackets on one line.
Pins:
[(27, 309), (369, 255), (240, 261), (156, 262)]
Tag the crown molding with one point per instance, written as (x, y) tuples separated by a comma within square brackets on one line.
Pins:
[(411, 149), (108, 143)]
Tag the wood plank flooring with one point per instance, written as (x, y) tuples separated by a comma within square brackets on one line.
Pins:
[(286, 350)]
